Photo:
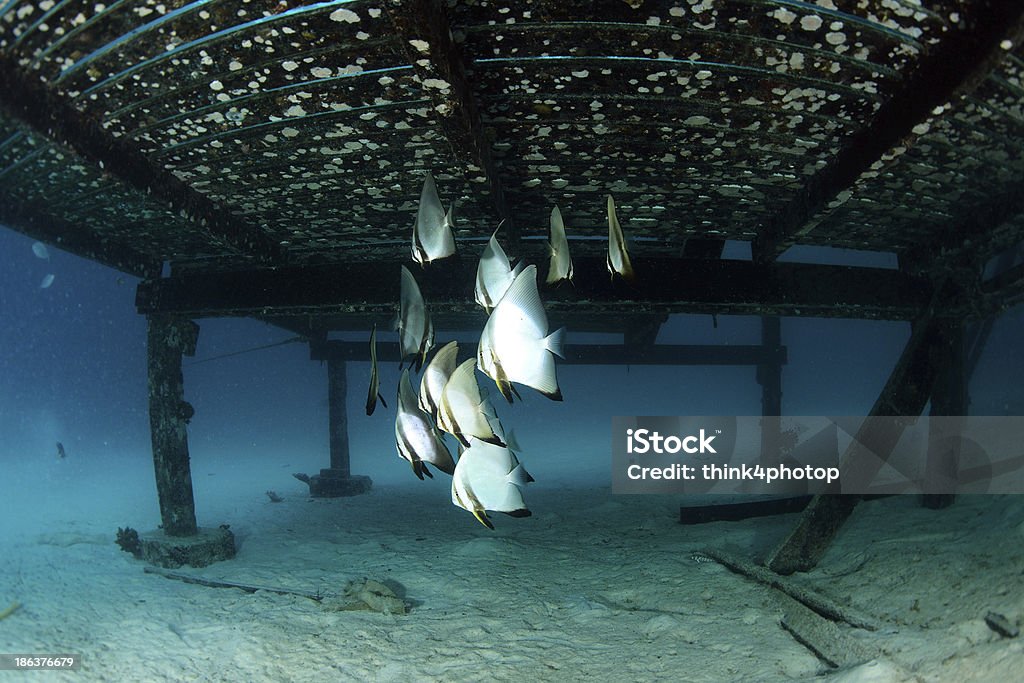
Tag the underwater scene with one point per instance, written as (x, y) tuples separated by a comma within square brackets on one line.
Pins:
[(512, 340), (401, 582)]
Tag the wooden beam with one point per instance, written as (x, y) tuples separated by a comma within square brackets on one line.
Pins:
[(643, 332), (1003, 291), (702, 247), (954, 68), (905, 394), (581, 354), (664, 285), (52, 115), (422, 29), (977, 234), (37, 223)]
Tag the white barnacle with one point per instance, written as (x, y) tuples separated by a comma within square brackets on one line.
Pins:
[(344, 15), (811, 22)]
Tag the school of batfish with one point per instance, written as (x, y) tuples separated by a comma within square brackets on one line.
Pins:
[(514, 348)]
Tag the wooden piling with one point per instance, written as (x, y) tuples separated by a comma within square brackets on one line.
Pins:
[(336, 480), (170, 337), (905, 394), (949, 404), (337, 387), (769, 376)]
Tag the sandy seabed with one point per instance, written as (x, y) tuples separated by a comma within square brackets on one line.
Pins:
[(592, 587)]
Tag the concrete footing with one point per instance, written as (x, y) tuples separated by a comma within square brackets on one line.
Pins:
[(333, 484), (199, 550)]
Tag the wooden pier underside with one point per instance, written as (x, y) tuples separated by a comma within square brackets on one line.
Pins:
[(265, 158), (296, 135)]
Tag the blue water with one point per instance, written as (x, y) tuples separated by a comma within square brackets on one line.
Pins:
[(73, 370)]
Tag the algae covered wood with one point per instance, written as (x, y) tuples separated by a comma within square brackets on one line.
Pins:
[(337, 381), (904, 396), (168, 338)]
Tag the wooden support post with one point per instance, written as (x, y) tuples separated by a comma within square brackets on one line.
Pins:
[(769, 376), (170, 337), (949, 400), (337, 388), (337, 480), (643, 333), (905, 394)]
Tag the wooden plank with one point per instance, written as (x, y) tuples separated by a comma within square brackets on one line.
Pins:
[(818, 602), (581, 354), (664, 285)]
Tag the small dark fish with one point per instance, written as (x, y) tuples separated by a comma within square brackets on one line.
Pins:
[(60, 451), (373, 395)]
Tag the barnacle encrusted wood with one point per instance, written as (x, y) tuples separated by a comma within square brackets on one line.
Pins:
[(215, 136)]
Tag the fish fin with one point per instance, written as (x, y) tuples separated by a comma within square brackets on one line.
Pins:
[(381, 399), (494, 440), (511, 441), (449, 216), (371, 405), (448, 467), (506, 389), (521, 512), (426, 471), (541, 373), (627, 274), (519, 476), (482, 518), (417, 468), (525, 297), (555, 341), (555, 395), (487, 409)]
